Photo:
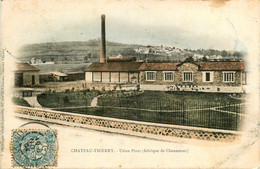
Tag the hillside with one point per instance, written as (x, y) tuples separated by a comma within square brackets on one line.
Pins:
[(88, 51), (71, 52)]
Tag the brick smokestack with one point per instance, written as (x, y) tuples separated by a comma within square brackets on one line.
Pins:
[(103, 40)]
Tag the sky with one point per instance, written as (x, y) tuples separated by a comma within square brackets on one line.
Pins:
[(184, 24)]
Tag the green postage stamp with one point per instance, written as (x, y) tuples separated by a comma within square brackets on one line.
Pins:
[(34, 148)]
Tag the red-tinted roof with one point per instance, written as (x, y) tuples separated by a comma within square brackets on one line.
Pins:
[(159, 66), (221, 65), (120, 59), (114, 67), (25, 67), (202, 66), (137, 66)]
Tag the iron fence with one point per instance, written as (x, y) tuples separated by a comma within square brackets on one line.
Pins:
[(221, 115)]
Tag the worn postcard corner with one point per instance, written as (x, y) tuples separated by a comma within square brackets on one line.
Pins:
[(129, 84)]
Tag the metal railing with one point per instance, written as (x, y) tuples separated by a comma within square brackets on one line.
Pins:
[(222, 115)]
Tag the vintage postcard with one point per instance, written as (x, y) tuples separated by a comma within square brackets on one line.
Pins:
[(129, 84)]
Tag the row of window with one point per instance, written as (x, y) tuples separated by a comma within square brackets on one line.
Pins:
[(188, 76)]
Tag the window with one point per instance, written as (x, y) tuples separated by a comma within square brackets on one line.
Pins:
[(188, 77), (27, 93), (207, 76), (97, 77), (244, 78), (168, 76), (150, 76), (33, 79), (229, 76)]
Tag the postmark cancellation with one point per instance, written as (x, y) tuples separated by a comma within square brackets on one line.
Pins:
[(34, 148)]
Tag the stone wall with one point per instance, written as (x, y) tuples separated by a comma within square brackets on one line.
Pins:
[(159, 79), (189, 67), (144, 129), (133, 77), (197, 77)]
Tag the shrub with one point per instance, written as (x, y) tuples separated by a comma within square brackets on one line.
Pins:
[(43, 95), (103, 89), (120, 87), (20, 102), (98, 92), (114, 88), (138, 87), (67, 90), (66, 99)]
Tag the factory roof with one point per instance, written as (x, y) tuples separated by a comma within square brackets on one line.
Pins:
[(114, 67), (206, 66), (59, 74), (138, 66), (25, 67)]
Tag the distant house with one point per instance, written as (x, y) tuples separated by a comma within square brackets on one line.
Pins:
[(58, 76), (73, 76), (46, 77), (26, 75)]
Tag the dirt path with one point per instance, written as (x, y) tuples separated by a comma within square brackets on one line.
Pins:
[(94, 101), (33, 101)]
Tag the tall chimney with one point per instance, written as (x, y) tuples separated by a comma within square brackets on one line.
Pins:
[(103, 40)]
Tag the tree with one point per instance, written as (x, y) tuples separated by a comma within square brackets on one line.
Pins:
[(224, 53), (66, 99), (204, 59), (189, 59), (237, 54)]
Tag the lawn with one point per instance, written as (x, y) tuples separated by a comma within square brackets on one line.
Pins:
[(186, 96), (68, 98), (190, 109), (20, 102), (171, 100), (205, 118)]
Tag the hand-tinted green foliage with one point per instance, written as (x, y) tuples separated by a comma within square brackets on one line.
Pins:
[(68, 98), (20, 102)]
